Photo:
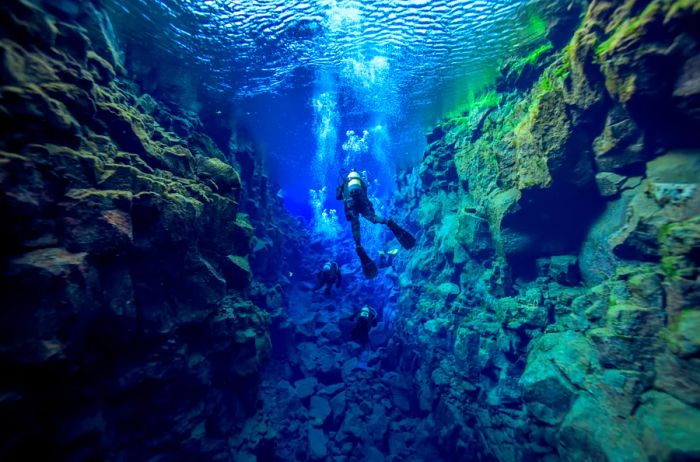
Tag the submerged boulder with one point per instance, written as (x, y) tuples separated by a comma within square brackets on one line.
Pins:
[(668, 428), (237, 271), (318, 442), (115, 256), (224, 176), (590, 433)]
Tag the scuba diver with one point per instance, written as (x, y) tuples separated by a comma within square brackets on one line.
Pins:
[(365, 319), (353, 192), (329, 275), (385, 259)]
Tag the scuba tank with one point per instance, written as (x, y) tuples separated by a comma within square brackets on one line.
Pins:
[(354, 183)]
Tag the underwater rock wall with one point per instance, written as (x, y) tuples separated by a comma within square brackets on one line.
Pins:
[(553, 296), (128, 328)]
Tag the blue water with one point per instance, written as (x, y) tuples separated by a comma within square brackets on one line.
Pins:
[(327, 85)]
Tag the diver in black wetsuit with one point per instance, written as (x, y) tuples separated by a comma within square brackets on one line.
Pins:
[(329, 275), (386, 258), (353, 192), (365, 319)]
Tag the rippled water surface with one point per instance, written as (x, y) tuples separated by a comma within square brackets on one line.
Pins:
[(303, 73)]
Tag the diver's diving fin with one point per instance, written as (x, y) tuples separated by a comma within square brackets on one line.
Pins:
[(405, 238), (369, 269)]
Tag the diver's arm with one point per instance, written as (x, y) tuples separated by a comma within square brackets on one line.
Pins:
[(340, 279), (339, 191)]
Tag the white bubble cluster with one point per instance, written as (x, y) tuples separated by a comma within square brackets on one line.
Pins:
[(325, 221), (325, 126), (353, 146)]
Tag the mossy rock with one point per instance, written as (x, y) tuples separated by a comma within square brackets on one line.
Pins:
[(631, 320), (614, 351), (628, 31), (79, 168), (685, 335), (125, 133), (520, 73), (78, 101), (222, 174), (678, 377), (522, 313), (591, 433), (237, 271), (19, 67), (179, 160), (180, 212), (203, 146), (164, 220), (621, 144), (645, 288), (118, 176), (669, 428), (42, 117), (102, 70), (97, 221), (244, 327), (680, 238), (547, 394), (570, 352)]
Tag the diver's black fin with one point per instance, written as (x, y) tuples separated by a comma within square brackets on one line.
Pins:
[(405, 238), (369, 269)]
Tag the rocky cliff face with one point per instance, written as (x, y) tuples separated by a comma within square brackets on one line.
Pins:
[(129, 240), (553, 297)]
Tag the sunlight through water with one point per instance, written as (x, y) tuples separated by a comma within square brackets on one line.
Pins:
[(312, 77)]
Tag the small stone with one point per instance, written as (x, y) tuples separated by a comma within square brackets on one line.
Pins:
[(448, 288), (609, 183), (305, 387), (338, 406), (440, 377), (331, 390), (436, 326), (319, 409), (318, 442), (348, 367)]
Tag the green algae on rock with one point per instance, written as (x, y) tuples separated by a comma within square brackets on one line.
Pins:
[(120, 223), (570, 130)]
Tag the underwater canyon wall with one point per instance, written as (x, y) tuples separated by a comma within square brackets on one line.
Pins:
[(131, 324), (552, 301)]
